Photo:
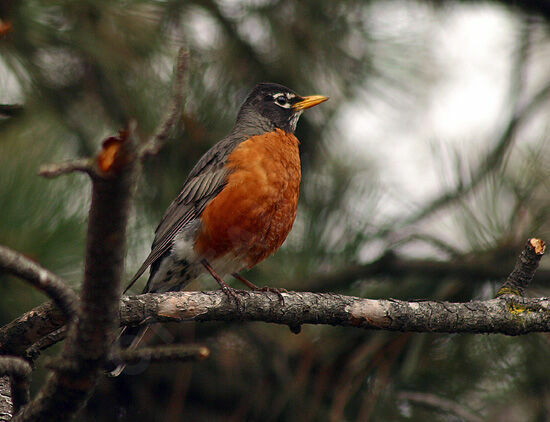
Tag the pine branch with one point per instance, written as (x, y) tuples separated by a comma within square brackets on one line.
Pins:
[(172, 353), (17, 264), (19, 372), (89, 341)]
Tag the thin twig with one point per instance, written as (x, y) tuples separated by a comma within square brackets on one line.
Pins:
[(180, 353), (19, 372), (439, 403), (524, 271), (83, 165), (33, 352), (21, 266), (172, 117)]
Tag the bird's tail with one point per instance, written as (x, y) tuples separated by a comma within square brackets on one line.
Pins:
[(128, 339)]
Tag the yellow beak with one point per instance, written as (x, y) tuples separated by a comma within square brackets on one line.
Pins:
[(310, 101)]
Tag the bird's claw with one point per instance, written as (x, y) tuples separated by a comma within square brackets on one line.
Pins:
[(277, 290), (232, 295)]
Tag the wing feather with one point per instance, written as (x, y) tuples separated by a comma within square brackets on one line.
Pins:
[(206, 180)]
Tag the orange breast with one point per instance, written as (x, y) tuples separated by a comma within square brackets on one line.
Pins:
[(254, 213)]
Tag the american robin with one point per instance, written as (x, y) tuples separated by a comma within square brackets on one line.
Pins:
[(239, 202)]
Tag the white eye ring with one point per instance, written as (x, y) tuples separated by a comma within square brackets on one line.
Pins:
[(281, 100)]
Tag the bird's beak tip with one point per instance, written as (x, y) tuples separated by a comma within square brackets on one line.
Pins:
[(309, 101)]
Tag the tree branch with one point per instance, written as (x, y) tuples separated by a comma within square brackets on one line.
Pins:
[(84, 165), (30, 327), (17, 264), (33, 352), (6, 402), (505, 316), (19, 372), (525, 268), (89, 340), (508, 315), (180, 353)]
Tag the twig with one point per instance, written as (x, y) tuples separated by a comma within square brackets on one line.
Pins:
[(440, 403), (164, 130), (180, 353), (525, 268), (19, 372), (17, 264), (32, 353), (84, 165)]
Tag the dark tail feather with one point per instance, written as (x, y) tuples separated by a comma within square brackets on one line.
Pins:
[(128, 339)]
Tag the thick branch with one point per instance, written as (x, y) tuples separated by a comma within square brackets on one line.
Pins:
[(6, 403), (19, 372), (90, 339), (505, 316), (21, 266)]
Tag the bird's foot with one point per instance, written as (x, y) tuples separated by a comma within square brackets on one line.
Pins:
[(278, 291), (229, 291)]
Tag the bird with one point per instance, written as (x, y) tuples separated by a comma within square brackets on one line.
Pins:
[(238, 203)]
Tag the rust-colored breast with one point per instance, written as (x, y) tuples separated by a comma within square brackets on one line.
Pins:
[(254, 213)]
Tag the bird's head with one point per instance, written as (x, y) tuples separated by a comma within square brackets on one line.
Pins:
[(276, 105)]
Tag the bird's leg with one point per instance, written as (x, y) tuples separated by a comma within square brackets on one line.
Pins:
[(225, 288), (252, 286)]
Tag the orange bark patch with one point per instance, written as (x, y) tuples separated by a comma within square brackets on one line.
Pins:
[(252, 216), (109, 158)]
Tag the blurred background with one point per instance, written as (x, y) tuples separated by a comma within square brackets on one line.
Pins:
[(423, 176)]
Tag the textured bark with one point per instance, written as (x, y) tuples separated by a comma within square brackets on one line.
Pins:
[(508, 315), (22, 332), (525, 268), (19, 372), (90, 339), (6, 403)]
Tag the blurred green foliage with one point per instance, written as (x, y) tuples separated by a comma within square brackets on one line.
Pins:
[(82, 69)]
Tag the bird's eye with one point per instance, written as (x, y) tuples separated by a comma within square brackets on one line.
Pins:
[(281, 100)]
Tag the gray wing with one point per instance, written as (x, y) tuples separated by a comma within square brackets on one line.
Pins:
[(206, 180)]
